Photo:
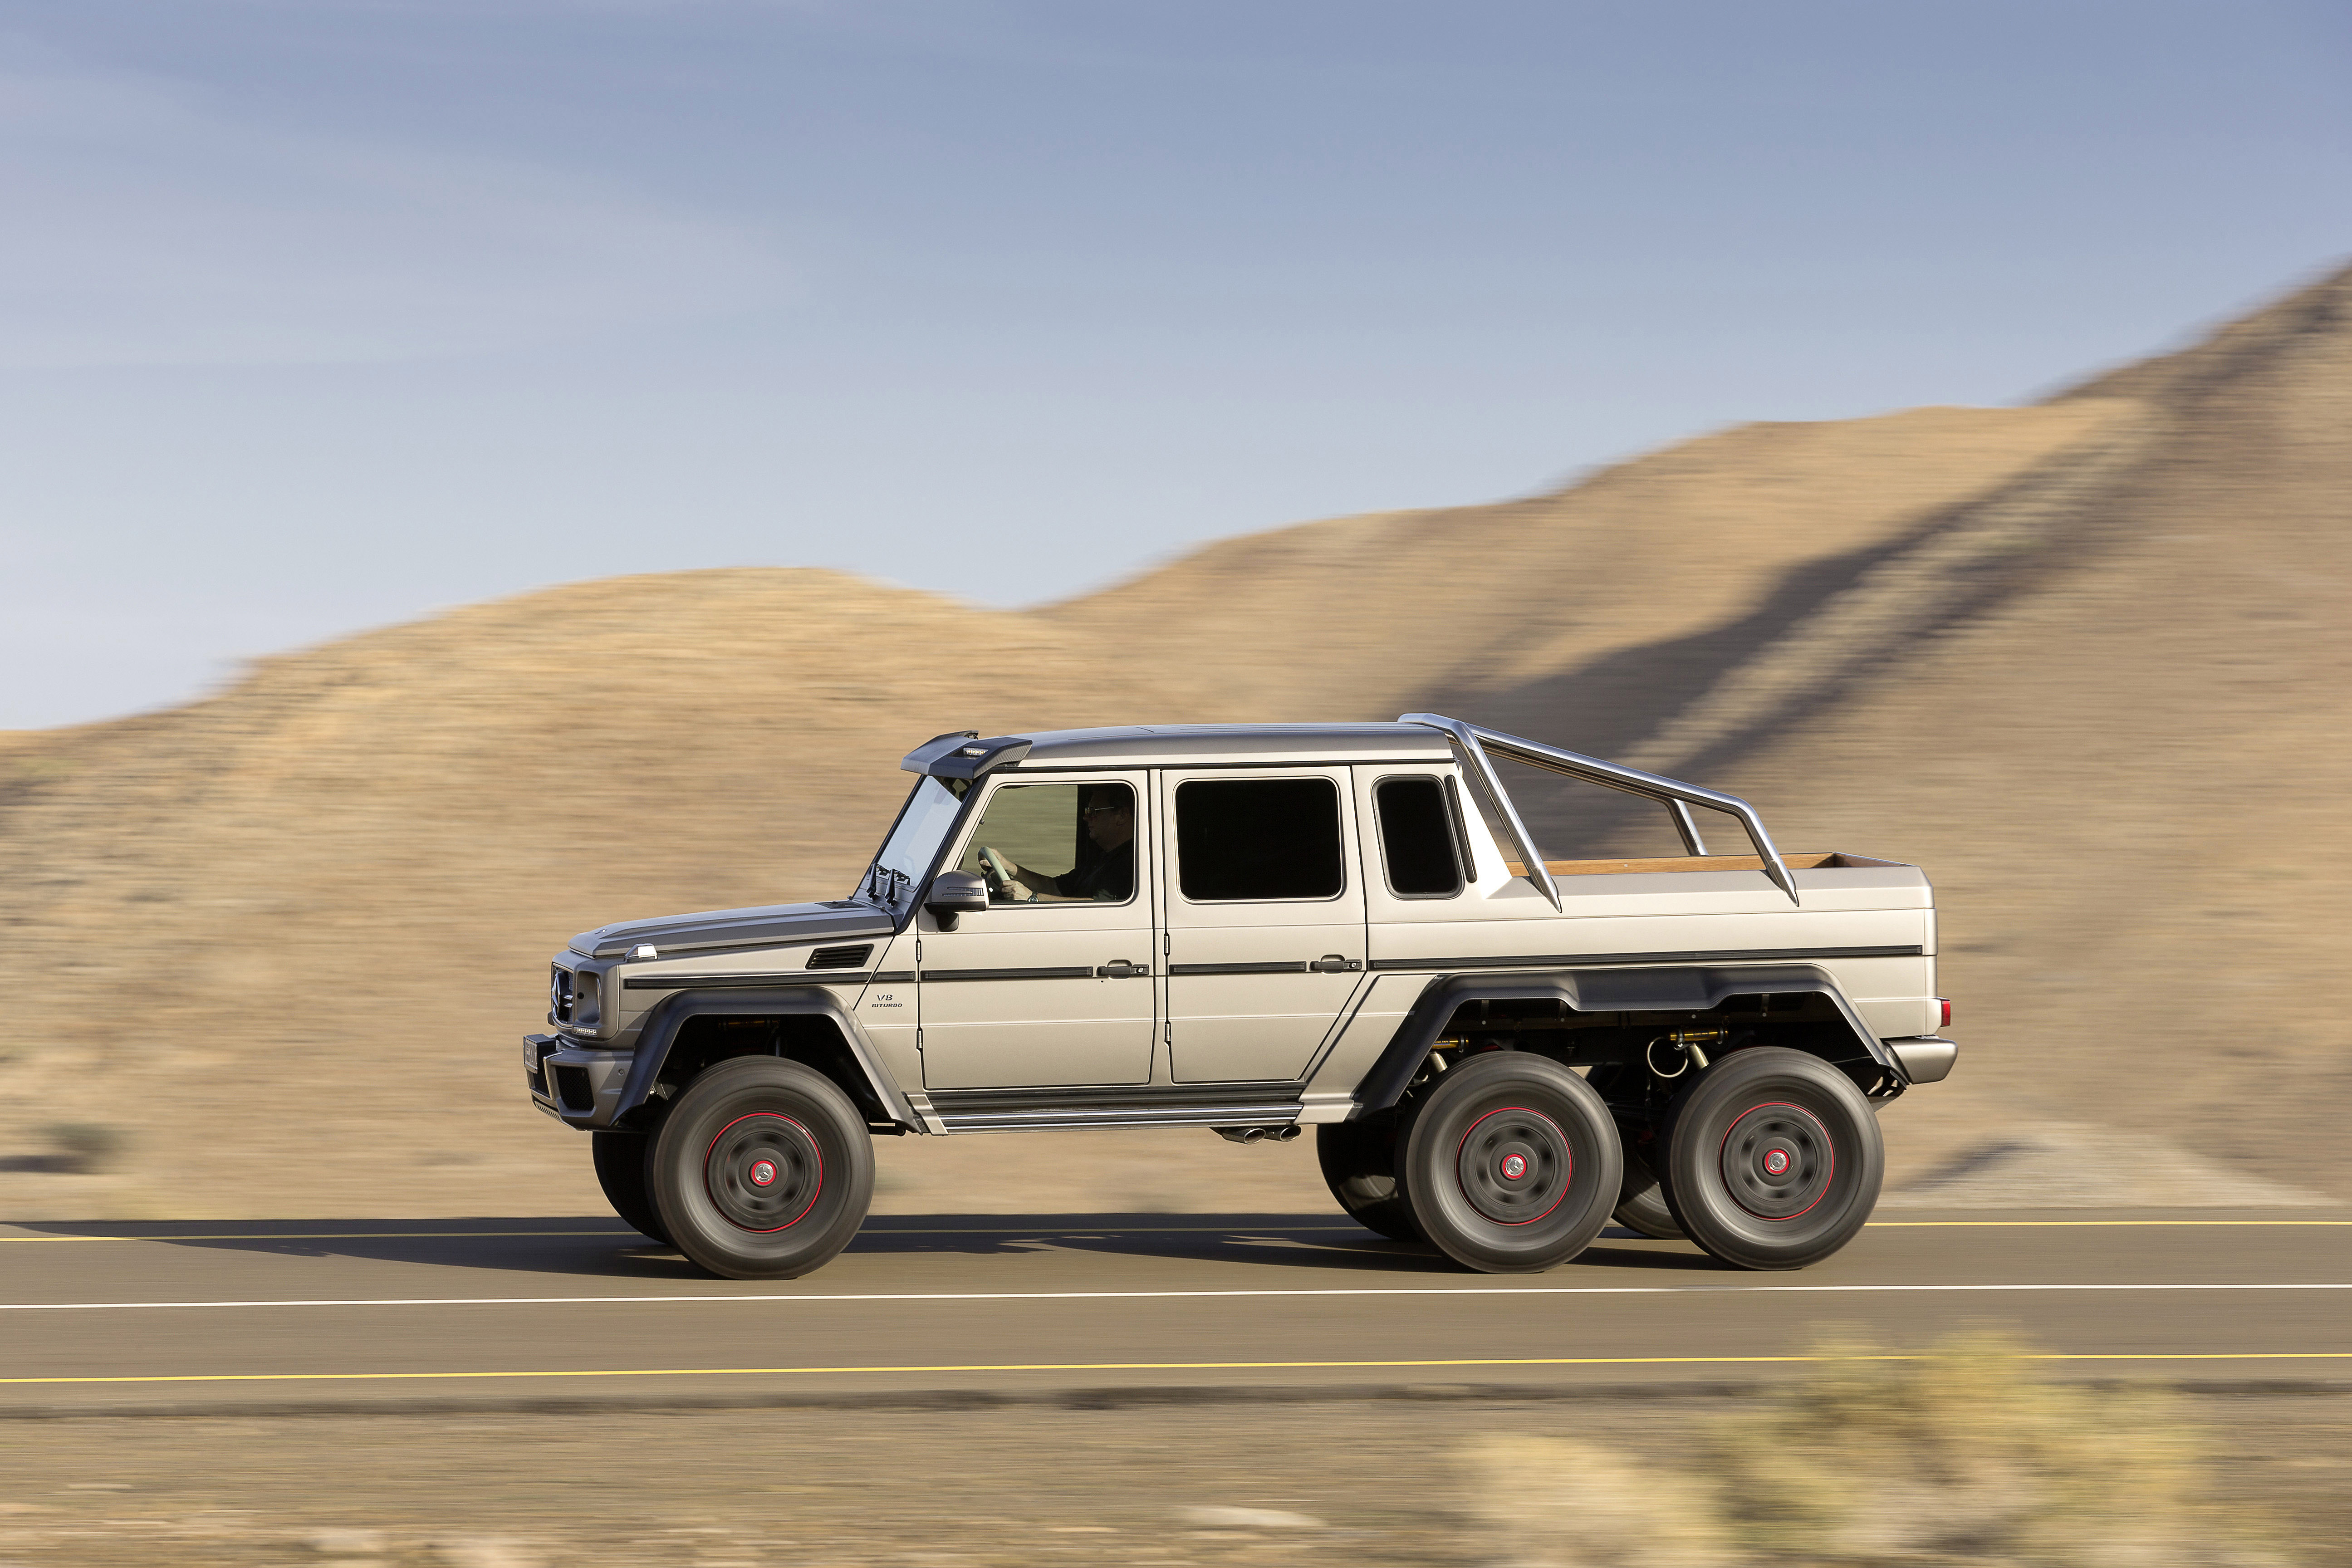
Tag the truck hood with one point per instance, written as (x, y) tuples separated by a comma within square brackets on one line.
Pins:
[(765, 926)]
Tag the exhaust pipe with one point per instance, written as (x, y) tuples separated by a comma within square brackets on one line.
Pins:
[(1258, 1134)]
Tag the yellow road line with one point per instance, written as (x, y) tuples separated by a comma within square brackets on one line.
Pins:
[(1156, 1366), (1093, 1230)]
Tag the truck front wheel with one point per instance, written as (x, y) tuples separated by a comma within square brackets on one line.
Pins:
[(1511, 1163), (1773, 1159), (762, 1170), (621, 1172)]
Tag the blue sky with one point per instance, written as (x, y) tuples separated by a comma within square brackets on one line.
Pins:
[(318, 314)]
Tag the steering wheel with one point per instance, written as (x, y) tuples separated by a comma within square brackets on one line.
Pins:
[(997, 872)]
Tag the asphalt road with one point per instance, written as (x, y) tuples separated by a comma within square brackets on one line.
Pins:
[(198, 1315)]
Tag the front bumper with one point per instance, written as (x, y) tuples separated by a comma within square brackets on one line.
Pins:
[(578, 1087)]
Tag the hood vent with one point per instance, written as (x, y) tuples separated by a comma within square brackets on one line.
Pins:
[(841, 957)]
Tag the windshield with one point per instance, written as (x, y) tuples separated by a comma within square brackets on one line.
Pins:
[(929, 812)]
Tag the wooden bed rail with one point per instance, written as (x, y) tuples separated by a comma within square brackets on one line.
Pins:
[(1796, 862)]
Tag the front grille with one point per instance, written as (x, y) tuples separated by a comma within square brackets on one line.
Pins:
[(572, 1089), (841, 957)]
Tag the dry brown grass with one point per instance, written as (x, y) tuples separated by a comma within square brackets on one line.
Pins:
[(1961, 1455)]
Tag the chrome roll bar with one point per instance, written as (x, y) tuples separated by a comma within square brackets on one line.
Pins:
[(1475, 741)]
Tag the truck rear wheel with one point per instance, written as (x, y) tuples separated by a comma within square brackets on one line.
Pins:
[(762, 1170), (1773, 1159), (1359, 1161), (621, 1171), (1510, 1163)]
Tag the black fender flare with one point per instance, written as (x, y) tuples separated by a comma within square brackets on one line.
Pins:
[(1696, 988), (671, 1014)]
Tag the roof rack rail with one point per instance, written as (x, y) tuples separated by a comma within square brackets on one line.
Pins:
[(1475, 741)]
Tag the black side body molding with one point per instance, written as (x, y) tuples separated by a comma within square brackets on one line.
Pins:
[(737, 982), (671, 1013), (1587, 960), (1597, 991), (1079, 972)]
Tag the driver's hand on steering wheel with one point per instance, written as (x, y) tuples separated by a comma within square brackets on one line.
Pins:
[(1004, 879)]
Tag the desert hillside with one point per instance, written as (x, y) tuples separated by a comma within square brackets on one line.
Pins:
[(271, 953)]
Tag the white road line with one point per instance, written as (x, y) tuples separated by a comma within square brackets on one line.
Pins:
[(1122, 1295)]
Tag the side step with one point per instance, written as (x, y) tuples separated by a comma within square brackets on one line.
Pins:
[(1265, 1114)]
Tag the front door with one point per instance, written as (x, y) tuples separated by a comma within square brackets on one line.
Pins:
[(1050, 985), (1266, 919)]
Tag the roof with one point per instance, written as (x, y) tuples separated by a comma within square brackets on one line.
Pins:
[(1160, 745)]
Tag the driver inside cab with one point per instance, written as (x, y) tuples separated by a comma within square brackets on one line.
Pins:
[(1107, 814)]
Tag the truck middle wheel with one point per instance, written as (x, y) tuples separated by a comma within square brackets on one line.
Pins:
[(1641, 1200), (1358, 1162), (1511, 1163), (762, 1170)]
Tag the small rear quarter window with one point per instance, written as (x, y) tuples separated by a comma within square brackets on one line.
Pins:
[(1418, 843)]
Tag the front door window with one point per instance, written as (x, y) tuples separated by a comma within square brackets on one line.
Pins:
[(1058, 843)]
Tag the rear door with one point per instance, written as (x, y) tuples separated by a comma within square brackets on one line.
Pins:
[(1050, 985), (1265, 938)]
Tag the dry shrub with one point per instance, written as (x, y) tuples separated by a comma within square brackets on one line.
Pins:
[(84, 1148), (1962, 1455), (1559, 1504)]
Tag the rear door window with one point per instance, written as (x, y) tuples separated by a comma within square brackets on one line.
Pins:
[(1258, 839), (1418, 843)]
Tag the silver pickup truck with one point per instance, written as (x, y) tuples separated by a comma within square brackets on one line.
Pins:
[(1257, 929)]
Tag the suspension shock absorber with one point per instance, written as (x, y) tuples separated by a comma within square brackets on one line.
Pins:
[(1684, 1047)]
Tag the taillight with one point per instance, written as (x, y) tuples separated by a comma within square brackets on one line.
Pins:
[(1945, 1008)]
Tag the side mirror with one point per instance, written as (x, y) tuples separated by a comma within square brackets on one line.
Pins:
[(955, 893)]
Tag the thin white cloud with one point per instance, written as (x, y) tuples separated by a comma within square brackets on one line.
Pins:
[(146, 228)]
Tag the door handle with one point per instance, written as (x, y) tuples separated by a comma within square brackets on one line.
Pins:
[(1333, 963), (1120, 969)]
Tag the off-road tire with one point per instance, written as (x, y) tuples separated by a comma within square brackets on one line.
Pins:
[(1640, 1203), (1358, 1162), (1510, 1163), (1641, 1197), (1756, 1110), (762, 1170), (621, 1158)]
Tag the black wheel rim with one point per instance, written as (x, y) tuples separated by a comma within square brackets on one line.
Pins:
[(1514, 1166), (1777, 1160), (763, 1172)]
